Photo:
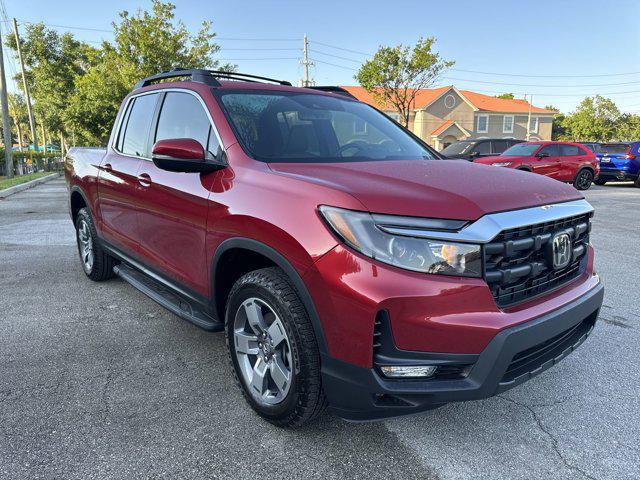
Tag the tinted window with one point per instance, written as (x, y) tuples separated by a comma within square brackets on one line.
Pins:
[(521, 150), (570, 150), (500, 146), (551, 150), (615, 148), (137, 128), (183, 116), (458, 148), (483, 148), (301, 127)]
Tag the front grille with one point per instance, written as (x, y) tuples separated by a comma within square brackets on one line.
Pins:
[(531, 359), (517, 266)]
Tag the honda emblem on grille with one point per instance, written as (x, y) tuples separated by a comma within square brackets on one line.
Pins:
[(561, 250)]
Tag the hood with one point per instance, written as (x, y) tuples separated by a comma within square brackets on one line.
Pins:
[(432, 188)]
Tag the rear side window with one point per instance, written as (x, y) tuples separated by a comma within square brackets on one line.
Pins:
[(570, 151), (551, 150), (138, 122), (183, 116)]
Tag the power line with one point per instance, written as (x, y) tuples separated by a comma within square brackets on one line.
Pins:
[(542, 86), (341, 48), (334, 64), (334, 56), (545, 76), (68, 27)]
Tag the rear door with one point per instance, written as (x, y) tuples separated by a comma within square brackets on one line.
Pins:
[(547, 161), (500, 146), (571, 158), (117, 179), (173, 206)]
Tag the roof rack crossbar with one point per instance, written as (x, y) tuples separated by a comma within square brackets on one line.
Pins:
[(196, 74), (333, 89), (208, 77)]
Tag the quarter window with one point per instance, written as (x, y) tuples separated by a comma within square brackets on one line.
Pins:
[(482, 124), (138, 123), (507, 124), (183, 116)]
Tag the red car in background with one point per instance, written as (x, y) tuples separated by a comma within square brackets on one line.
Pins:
[(564, 161)]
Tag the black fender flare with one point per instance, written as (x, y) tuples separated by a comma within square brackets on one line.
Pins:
[(77, 189), (279, 259), (584, 167)]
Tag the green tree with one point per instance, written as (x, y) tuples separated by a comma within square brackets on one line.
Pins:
[(596, 119), (558, 131), (628, 127), (506, 96), (53, 61), (395, 74), (145, 43)]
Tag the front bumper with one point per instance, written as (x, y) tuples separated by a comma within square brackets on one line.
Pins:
[(512, 357)]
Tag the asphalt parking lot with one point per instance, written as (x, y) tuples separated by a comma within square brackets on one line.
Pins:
[(98, 381)]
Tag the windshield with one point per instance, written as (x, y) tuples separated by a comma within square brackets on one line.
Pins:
[(520, 150), (300, 127), (614, 148), (457, 148)]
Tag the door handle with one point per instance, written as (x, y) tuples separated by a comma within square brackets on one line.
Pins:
[(144, 179), (107, 167)]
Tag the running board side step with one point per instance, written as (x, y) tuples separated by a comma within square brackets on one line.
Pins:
[(167, 298)]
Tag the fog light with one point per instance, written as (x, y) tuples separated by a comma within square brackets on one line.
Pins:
[(418, 371)]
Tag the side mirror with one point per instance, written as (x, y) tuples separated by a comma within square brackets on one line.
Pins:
[(542, 155), (183, 155), (474, 154)]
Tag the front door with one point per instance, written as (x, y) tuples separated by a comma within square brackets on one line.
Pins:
[(547, 161), (173, 206), (118, 177)]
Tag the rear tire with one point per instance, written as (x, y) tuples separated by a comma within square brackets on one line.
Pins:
[(583, 179), (273, 350), (96, 263), (599, 182)]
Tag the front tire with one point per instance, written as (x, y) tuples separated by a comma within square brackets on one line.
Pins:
[(96, 263), (273, 350), (583, 179)]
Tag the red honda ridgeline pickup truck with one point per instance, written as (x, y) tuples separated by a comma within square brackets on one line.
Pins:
[(347, 264)]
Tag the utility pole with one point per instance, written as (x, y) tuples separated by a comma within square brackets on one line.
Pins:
[(32, 120), (529, 118), (6, 121), (306, 81)]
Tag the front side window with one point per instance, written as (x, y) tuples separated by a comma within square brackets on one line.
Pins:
[(183, 116), (136, 130), (483, 148), (500, 146), (482, 124), (282, 126), (458, 148), (507, 124), (551, 150)]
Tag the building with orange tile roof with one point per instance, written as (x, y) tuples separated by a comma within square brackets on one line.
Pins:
[(443, 115)]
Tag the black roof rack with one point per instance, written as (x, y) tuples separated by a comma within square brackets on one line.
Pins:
[(333, 89), (208, 77)]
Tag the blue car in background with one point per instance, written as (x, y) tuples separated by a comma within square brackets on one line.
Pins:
[(619, 162)]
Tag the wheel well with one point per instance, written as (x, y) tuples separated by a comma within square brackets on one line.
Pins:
[(586, 167), (524, 169), (77, 203), (233, 264)]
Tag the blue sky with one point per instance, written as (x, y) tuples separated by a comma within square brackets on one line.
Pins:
[(556, 51)]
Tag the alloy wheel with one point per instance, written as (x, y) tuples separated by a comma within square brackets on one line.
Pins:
[(585, 179), (85, 243), (263, 351)]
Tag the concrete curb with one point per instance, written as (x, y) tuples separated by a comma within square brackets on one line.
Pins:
[(25, 186)]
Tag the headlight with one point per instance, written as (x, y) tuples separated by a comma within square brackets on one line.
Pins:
[(501, 164), (359, 231)]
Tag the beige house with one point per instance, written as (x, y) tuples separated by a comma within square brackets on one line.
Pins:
[(440, 116)]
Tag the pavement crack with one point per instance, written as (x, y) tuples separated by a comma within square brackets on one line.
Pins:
[(554, 440)]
